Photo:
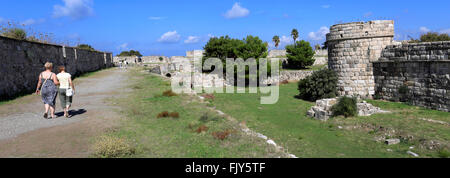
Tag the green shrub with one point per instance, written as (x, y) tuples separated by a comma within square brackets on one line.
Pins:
[(403, 93), (403, 89), (300, 55), (321, 84), (345, 107), (16, 33)]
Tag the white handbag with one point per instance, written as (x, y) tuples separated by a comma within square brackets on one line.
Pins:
[(69, 92)]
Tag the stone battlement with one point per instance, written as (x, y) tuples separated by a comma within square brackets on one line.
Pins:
[(434, 51), (357, 30)]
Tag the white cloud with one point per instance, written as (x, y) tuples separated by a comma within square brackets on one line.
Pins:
[(156, 18), (76, 9), (170, 37), (320, 34), (286, 40), (424, 29), (326, 6), (123, 46), (236, 12), (2, 20), (32, 21), (192, 39), (368, 14), (445, 31)]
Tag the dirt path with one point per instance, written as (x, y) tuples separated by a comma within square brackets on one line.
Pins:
[(25, 133)]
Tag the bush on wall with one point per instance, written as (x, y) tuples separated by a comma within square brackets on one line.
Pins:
[(321, 84), (431, 37), (16, 33)]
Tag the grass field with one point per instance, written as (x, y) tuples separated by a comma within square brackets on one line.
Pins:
[(285, 122), (177, 137)]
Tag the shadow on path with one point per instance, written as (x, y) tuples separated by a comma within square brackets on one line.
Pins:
[(73, 113)]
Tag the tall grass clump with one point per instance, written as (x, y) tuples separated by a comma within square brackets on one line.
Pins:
[(16, 33), (112, 147)]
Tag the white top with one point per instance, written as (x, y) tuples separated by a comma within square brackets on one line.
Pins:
[(64, 80)]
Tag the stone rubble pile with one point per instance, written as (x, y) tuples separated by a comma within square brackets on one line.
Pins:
[(322, 110)]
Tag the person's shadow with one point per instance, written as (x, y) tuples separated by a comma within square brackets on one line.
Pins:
[(73, 113)]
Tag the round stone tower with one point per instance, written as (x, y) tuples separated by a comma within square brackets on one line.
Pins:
[(352, 47)]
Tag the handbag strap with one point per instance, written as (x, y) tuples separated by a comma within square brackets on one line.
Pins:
[(46, 79)]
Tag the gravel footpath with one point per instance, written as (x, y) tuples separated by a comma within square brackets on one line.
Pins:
[(21, 117)]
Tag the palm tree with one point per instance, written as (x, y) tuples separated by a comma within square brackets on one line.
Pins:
[(276, 40), (294, 35)]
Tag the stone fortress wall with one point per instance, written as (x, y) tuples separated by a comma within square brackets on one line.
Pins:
[(22, 62), (321, 57), (352, 47), (143, 59), (154, 59), (195, 53), (276, 53), (421, 69)]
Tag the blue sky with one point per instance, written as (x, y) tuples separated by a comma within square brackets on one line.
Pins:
[(170, 27)]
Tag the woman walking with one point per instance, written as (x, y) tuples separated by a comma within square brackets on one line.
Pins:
[(66, 90), (48, 81)]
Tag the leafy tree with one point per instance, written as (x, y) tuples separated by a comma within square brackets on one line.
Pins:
[(226, 47), (253, 47), (430, 37), (135, 53), (222, 48), (433, 36), (130, 53), (276, 40), (85, 47), (300, 55), (294, 35)]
